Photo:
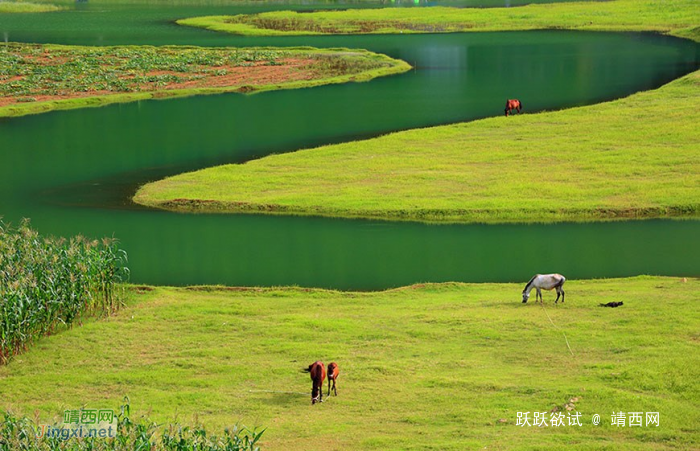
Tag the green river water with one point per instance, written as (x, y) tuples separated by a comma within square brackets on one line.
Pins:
[(74, 172)]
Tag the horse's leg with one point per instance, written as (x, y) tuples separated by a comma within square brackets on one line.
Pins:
[(334, 389), (329, 386), (562, 295), (558, 294)]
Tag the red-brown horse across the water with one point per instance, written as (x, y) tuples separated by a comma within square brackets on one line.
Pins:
[(513, 104), (318, 374), (333, 372)]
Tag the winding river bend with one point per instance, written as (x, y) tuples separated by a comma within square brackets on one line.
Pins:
[(73, 172)]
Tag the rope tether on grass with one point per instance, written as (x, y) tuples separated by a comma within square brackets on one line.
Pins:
[(562, 332), (282, 392)]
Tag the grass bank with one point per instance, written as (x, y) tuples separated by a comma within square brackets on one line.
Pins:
[(676, 17), (635, 157), (40, 78), (7, 7), (437, 366)]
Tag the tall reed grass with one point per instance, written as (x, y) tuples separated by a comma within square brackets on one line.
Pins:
[(20, 433), (48, 283)]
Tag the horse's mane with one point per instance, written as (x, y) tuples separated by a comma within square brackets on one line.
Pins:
[(530, 282)]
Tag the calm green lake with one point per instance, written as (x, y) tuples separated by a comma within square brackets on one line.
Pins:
[(73, 172)]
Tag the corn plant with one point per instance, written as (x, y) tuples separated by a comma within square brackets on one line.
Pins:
[(19, 433), (29, 70), (47, 283)]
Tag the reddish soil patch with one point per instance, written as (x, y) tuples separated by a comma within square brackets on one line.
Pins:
[(285, 70)]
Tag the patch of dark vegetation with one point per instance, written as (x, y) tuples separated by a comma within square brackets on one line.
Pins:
[(210, 288), (302, 24), (214, 206), (336, 64), (612, 304), (246, 89), (434, 215), (213, 288)]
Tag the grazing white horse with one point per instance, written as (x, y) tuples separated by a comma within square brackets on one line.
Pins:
[(546, 281)]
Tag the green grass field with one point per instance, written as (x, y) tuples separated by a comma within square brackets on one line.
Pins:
[(632, 158), (677, 17), (437, 366), (38, 78)]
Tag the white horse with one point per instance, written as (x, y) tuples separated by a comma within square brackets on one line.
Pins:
[(546, 281)]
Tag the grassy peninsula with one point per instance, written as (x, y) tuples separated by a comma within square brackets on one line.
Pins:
[(635, 157), (40, 78), (437, 366), (631, 158), (677, 17), (7, 7)]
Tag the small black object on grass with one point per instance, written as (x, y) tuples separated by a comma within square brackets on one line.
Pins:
[(612, 304)]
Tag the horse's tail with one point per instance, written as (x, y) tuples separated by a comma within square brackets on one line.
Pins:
[(320, 372), (521, 104), (561, 282)]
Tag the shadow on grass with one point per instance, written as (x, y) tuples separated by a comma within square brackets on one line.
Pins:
[(283, 399)]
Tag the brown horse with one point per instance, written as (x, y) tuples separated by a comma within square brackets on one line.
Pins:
[(333, 372), (318, 374), (513, 104)]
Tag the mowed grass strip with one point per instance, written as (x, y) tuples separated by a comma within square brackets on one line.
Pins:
[(40, 78), (632, 158), (678, 17), (437, 366)]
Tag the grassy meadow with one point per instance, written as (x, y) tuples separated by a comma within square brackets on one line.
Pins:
[(635, 157), (436, 366), (677, 17), (41, 78)]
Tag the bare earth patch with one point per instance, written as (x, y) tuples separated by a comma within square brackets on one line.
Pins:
[(258, 73)]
